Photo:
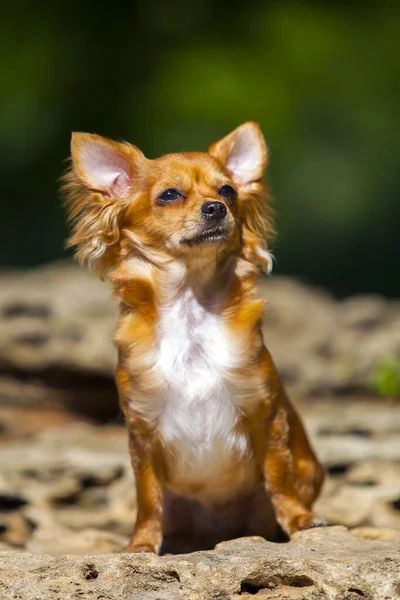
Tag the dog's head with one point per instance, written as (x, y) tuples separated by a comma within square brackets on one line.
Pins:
[(184, 205)]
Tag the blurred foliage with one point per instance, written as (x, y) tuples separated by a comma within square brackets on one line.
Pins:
[(385, 378), (321, 78)]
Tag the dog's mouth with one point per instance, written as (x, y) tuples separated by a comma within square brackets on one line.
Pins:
[(207, 237)]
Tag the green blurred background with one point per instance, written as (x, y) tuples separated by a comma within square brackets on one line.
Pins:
[(321, 78)]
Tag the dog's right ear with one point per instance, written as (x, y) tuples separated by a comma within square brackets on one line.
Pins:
[(103, 165)]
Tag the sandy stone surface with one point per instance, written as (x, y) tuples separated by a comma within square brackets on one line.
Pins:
[(321, 564)]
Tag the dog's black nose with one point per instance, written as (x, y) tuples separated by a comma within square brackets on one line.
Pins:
[(213, 210)]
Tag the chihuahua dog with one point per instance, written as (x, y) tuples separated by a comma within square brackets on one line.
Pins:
[(217, 449)]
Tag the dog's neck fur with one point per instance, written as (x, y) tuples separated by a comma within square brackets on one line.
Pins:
[(209, 279)]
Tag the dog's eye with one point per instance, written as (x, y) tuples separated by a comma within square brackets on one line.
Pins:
[(170, 195), (227, 192)]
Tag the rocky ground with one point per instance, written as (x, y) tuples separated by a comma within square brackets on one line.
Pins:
[(66, 486), (331, 563)]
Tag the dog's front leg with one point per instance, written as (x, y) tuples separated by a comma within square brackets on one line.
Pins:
[(147, 535), (271, 441), (277, 465)]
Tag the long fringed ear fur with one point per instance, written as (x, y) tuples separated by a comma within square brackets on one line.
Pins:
[(97, 188), (244, 154)]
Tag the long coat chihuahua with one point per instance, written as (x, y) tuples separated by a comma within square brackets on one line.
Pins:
[(217, 449)]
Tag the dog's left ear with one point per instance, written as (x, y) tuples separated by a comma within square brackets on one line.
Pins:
[(243, 153)]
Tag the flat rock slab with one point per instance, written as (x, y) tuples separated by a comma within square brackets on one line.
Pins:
[(330, 563)]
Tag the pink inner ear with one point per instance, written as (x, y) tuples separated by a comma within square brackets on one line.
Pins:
[(121, 185), (246, 158), (104, 168)]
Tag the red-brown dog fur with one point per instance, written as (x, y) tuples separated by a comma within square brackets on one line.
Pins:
[(217, 449)]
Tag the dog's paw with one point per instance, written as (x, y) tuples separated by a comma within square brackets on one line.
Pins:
[(307, 521), (137, 548)]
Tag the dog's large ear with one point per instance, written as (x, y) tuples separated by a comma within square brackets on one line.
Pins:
[(102, 165), (244, 154), (97, 188)]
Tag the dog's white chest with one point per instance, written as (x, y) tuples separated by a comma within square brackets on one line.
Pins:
[(199, 417)]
